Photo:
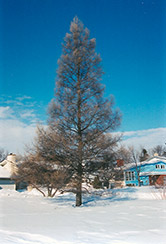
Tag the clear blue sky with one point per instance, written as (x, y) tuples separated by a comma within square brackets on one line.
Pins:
[(131, 39)]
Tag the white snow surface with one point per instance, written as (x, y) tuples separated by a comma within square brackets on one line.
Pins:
[(4, 173), (119, 216)]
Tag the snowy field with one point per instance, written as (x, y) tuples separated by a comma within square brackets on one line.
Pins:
[(122, 216)]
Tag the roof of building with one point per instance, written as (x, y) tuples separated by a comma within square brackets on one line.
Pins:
[(152, 173), (152, 160), (4, 173)]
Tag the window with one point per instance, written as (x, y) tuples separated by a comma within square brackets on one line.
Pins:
[(127, 176), (130, 175), (133, 175), (130, 184), (158, 166)]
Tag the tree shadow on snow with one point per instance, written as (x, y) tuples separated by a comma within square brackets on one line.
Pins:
[(96, 198), (108, 196)]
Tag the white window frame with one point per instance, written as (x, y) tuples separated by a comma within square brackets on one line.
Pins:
[(130, 175)]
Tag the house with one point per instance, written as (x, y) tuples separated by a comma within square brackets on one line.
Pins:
[(7, 169), (149, 172)]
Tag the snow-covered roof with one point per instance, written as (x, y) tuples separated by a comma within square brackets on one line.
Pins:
[(4, 162), (4, 173), (152, 160), (155, 159)]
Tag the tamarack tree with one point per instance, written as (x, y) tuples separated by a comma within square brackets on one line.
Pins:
[(80, 113)]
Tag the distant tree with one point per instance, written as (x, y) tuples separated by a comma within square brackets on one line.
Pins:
[(41, 168), (159, 149), (124, 153), (123, 157), (97, 183), (106, 164), (143, 155), (79, 112), (19, 158), (3, 154), (135, 155)]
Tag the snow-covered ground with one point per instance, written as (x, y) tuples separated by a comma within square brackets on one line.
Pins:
[(121, 216)]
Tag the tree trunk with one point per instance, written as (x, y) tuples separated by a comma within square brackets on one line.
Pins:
[(49, 189), (139, 181), (38, 189), (79, 177), (79, 193), (80, 146)]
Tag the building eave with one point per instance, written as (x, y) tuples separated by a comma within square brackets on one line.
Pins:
[(152, 173)]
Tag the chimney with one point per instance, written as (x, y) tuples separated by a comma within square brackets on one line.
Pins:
[(11, 157), (11, 164), (120, 162)]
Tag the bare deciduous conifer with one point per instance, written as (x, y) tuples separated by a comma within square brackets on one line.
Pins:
[(79, 112)]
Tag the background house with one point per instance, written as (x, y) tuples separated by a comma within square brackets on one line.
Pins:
[(149, 172), (7, 169)]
